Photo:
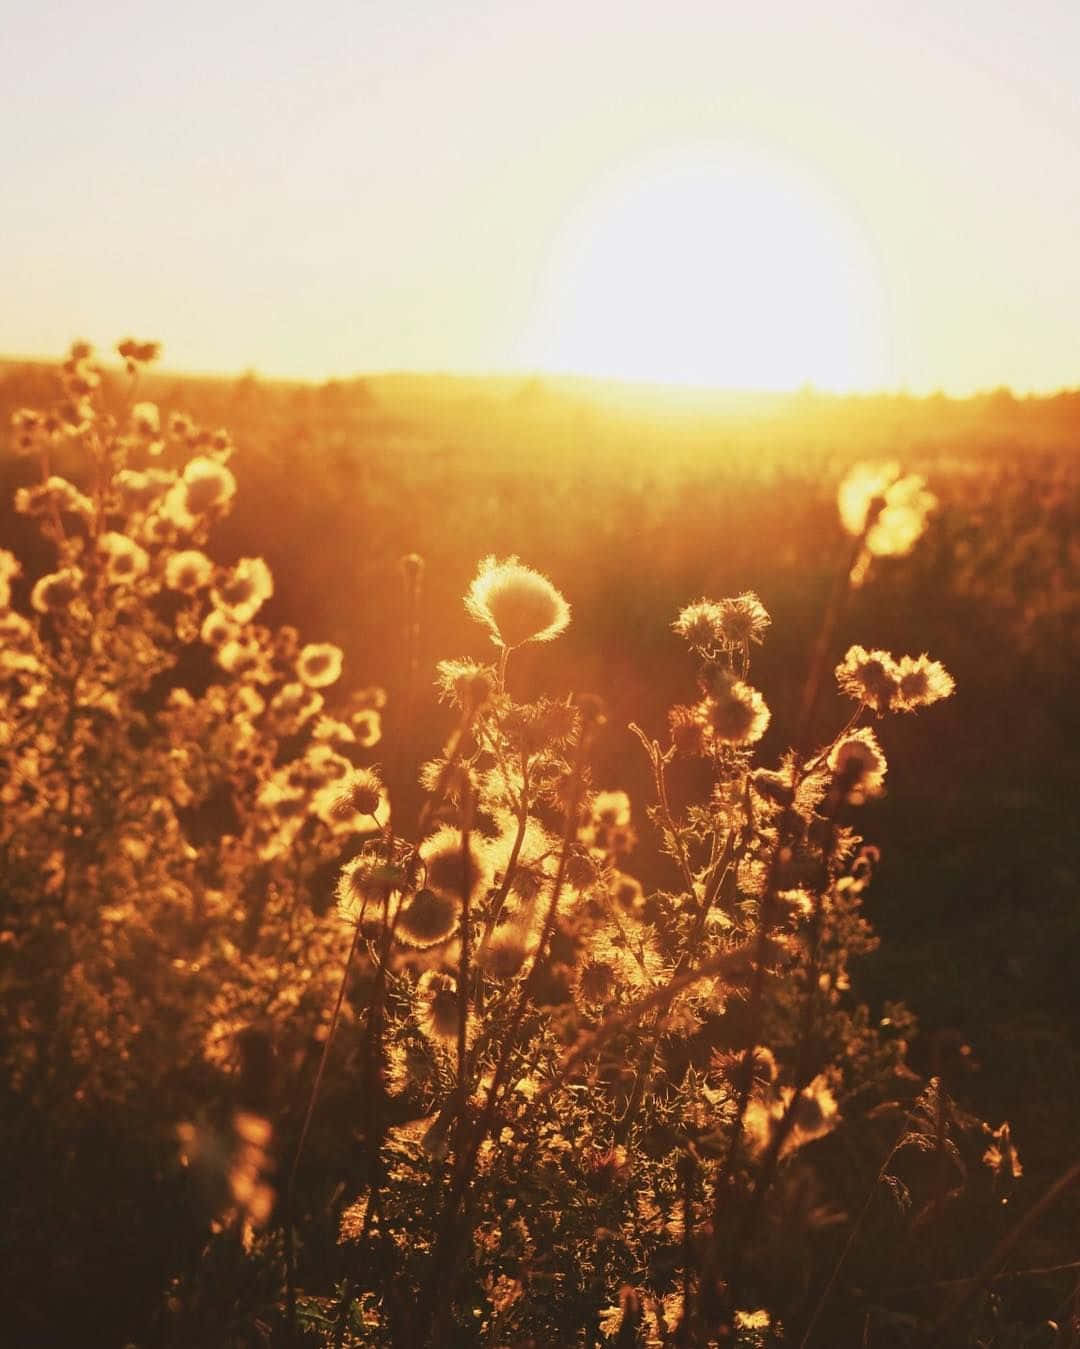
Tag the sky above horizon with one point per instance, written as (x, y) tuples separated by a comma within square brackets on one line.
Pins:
[(854, 196)]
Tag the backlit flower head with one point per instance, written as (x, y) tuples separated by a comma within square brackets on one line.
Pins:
[(871, 677), (445, 867), (319, 664), (858, 763), (359, 794), (516, 603), (437, 1006), (736, 713), (188, 571), (430, 917), (125, 560), (922, 681), (702, 625), (743, 619), (243, 591)]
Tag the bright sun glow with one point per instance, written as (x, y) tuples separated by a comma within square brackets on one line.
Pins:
[(713, 268)]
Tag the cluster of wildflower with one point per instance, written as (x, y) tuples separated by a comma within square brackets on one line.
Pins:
[(169, 768), (512, 934)]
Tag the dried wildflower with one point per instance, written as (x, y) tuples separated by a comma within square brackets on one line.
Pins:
[(360, 794), (188, 571), (871, 677), (516, 603), (125, 560), (367, 727), (206, 486), (437, 1008), (244, 590), (429, 918), (366, 879), (319, 664), (217, 629), (57, 591), (858, 764), (922, 681), (702, 625), (736, 713), (743, 619), (442, 855), (505, 952), (464, 682)]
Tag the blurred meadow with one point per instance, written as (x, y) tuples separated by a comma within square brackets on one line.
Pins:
[(538, 720)]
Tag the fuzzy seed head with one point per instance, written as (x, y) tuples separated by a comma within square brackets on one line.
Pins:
[(516, 604)]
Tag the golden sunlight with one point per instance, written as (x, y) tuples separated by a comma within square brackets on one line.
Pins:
[(716, 267)]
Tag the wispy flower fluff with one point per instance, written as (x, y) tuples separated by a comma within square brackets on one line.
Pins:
[(245, 589), (124, 559), (442, 855), (701, 624), (871, 677), (922, 681), (319, 664), (516, 604), (188, 571), (743, 619), (736, 713), (858, 762)]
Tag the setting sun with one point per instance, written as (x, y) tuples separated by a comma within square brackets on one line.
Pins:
[(712, 266)]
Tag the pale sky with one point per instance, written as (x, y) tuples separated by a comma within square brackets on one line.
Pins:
[(859, 195)]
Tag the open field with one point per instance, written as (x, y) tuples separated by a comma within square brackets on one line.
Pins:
[(635, 503)]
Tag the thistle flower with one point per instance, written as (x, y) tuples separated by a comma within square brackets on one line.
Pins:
[(702, 625), (442, 856), (858, 762), (217, 629), (743, 619), (437, 1009), (871, 677), (736, 713), (244, 590), (188, 571), (319, 664), (922, 681), (429, 918), (516, 603), (206, 486), (125, 560), (360, 794)]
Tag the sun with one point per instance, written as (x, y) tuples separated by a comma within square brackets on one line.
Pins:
[(717, 268)]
